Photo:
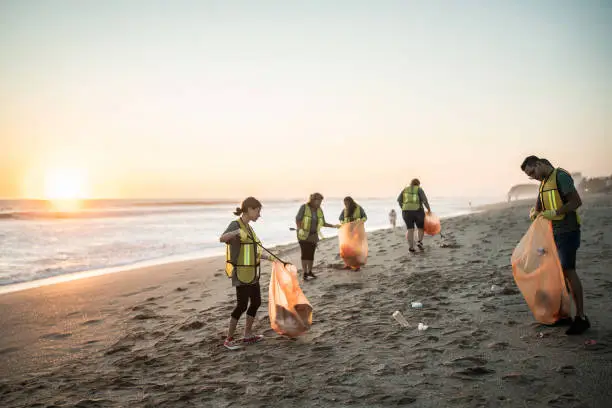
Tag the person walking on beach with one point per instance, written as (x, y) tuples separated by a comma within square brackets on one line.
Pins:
[(392, 217), (242, 259), (558, 201), (352, 212), (411, 200), (309, 221)]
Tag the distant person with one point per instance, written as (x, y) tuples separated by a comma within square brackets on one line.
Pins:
[(352, 211), (242, 265), (392, 217), (558, 201), (309, 221), (411, 200)]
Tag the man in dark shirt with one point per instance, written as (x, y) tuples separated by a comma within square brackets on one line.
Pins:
[(565, 224)]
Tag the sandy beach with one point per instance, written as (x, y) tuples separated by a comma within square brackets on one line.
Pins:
[(153, 337)]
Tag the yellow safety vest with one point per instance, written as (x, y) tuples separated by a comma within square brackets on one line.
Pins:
[(411, 200), (549, 196), (356, 215), (247, 268), (304, 232)]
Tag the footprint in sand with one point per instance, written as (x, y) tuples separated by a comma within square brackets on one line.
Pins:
[(567, 370), (498, 345), (520, 378), (55, 336), (119, 348), (195, 325), (567, 399), (146, 315), (471, 372)]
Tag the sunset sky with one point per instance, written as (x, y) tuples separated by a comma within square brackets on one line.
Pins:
[(203, 99)]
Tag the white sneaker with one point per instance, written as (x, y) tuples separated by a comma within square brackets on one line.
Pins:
[(231, 344)]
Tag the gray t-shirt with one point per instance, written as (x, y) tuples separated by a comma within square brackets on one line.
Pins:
[(235, 253), (312, 236), (422, 199)]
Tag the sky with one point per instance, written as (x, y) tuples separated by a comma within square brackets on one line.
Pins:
[(278, 99)]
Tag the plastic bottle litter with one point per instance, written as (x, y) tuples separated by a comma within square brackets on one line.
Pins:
[(417, 305), (422, 327), (399, 317)]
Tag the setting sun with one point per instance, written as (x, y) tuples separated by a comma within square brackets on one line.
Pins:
[(65, 187)]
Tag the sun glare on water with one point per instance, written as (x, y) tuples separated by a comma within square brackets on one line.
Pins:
[(65, 188)]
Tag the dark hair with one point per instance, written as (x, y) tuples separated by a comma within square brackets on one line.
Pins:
[(315, 196), (249, 202), (415, 182), (351, 206), (545, 162), (530, 161)]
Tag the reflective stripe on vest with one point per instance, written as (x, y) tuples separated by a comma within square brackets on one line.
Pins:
[(411, 200), (550, 198), (355, 217), (307, 219), (247, 268)]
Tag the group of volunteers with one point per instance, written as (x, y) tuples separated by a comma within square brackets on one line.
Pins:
[(244, 249), (557, 201)]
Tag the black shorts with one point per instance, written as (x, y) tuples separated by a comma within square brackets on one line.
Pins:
[(308, 250), (414, 217), (567, 246)]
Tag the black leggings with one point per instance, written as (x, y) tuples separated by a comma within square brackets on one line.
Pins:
[(245, 293), (414, 217), (308, 250)]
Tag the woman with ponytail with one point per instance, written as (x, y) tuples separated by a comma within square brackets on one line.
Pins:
[(243, 255)]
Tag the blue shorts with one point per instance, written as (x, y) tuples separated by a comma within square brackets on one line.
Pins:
[(567, 246)]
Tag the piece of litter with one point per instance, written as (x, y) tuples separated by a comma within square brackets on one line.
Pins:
[(399, 317), (422, 327), (590, 342), (416, 305)]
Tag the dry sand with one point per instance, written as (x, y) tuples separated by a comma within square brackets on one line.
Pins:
[(153, 337)]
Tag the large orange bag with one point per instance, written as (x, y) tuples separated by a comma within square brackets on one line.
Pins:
[(432, 224), (353, 244), (290, 312), (538, 273)]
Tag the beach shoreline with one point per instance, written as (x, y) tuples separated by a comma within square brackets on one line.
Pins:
[(153, 336), (167, 260)]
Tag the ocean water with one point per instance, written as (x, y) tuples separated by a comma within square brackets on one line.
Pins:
[(109, 235)]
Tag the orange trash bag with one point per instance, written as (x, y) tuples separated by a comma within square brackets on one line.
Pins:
[(538, 273), (432, 224), (353, 244), (290, 312)]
